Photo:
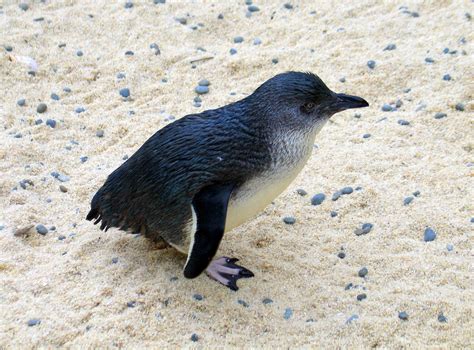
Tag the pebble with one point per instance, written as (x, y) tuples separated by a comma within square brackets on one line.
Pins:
[(342, 80), (403, 316), (125, 92), (403, 122), (84, 159), (429, 235), (336, 195), (2, 227), (131, 303), (200, 89), (333, 214), (408, 200), (440, 115), (21, 102), (79, 53), (318, 199), (181, 20), (198, 297), (361, 297), (114, 260), (253, 8), (257, 41), (54, 97), (63, 178), (357, 115), (129, 53), (429, 60), (301, 192), (25, 182), (243, 303), (66, 89), (33, 322), (274, 60), (79, 110), (363, 272), (459, 107), (8, 48), (387, 108), (63, 188), (352, 318), (267, 301), (238, 39), (61, 237), (197, 99), (390, 47), (204, 82), (41, 229), (288, 6), (120, 76), (99, 133), (288, 313), (289, 220), (442, 318), (23, 6), (156, 2), (371, 64), (128, 5), (416, 193), (449, 247), (366, 136), (341, 255), (233, 51), (41, 108), (447, 77), (220, 16), (347, 190), (194, 337), (51, 123)]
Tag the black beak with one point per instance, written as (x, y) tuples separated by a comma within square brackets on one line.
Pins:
[(344, 102)]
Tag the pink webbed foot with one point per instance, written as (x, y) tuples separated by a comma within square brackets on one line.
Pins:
[(225, 271)]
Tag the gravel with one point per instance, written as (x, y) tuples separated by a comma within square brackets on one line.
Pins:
[(363, 272), (99, 133), (288, 6), (403, 122), (41, 229), (459, 107), (63, 188), (440, 115), (257, 41), (429, 235), (289, 220), (201, 89), (232, 51), (361, 297), (403, 315), (371, 64), (51, 123), (23, 6), (267, 301), (333, 214), (408, 200), (198, 297), (442, 318), (447, 77), (80, 110), (347, 190), (390, 47), (301, 192), (41, 108), (33, 322), (243, 303), (366, 136), (204, 82), (288, 313), (55, 96), (114, 260), (21, 102), (253, 8), (341, 255), (429, 60), (125, 92), (318, 199), (387, 108), (194, 337), (238, 39), (336, 195)]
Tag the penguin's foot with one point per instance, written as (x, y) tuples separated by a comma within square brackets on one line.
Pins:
[(225, 271)]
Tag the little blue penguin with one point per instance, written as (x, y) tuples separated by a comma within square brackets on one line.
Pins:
[(207, 173)]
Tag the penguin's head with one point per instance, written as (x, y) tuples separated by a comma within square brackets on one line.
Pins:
[(303, 99)]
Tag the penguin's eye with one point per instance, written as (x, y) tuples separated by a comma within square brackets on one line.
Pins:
[(307, 107)]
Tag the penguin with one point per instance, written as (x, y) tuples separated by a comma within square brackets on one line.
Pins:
[(207, 173)]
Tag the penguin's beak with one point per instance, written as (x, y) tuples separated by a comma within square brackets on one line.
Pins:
[(343, 102)]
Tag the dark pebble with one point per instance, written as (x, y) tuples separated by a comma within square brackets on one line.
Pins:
[(63, 188), (289, 220), (447, 77), (38, 19), (131, 303), (21, 102), (33, 322), (63, 178), (341, 255), (220, 16), (204, 82), (84, 159), (333, 214), (363, 272), (232, 51), (128, 5), (288, 6), (8, 48), (371, 64), (61, 237), (347, 190), (120, 75), (352, 318), (442, 318), (41, 108), (318, 199), (403, 122), (358, 188), (201, 89), (238, 39), (79, 53), (349, 286), (267, 301), (253, 8), (342, 80), (156, 48), (129, 53), (288, 313), (274, 60), (198, 297), (429, 235), (440, 115), (62, 45), (23, 6), (194, 337), (41, 229), (66, 89), (366, 136), (25, 182), (408, 200), (125, 92), (18, 136), (390, 47), (336, 195), (197, 99), (403, 316), (54, 97), (301, 192), (114, 260), (99, 133), (416, 193), (387, 108), (429, 60), (79, 110), (459, 107), (181, 20), (51, 123), (257, 41), (243, 303), (361, 297)]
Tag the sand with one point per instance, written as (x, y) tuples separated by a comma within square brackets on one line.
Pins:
[(81, 296)]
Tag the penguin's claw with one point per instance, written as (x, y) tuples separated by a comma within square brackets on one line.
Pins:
[(225, 271)]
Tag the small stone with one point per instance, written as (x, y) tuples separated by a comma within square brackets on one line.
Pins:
[(408, 200), (54, 97), (67, 90), (442, 318), (341, 255), (403, 316), (23, 6), (62, 45), (120, 76), (267, 301), (80, 110), (182, 20), (129, 53), (198, 297), (387, 108), (429, 235), (63, 178), (459, 107), (197, 99), (238, 39), (358, 188), (194, 337), (274, 60), (201, 89), (25, 182), (243, 303), (440, 115), (342, 80), (21, 102), (79, 53), (232, 51), (352, 318), (257, 41), (390, 47), (371, 64), (347, 190), (429, 60), (333, 214), (363, 272), (84, 159), (289, 220), (318, 199), (63, 188), (416, 193), (131, 304), (253, 8), (99, 133), (361, 297), (447, 77), (128, 5), (125, 92), (61, 237), (38, 19), (288, 313), (204, 82), (114, 260), (301, 192), (41, 229), (51, 123), (366, 136), (41, 108), (357, 115), (288, 6), (220, 16), (336, 195), (8, 48), (33, 322), (403, 122)]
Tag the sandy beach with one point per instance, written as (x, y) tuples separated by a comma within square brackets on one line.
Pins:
[(67, 284)]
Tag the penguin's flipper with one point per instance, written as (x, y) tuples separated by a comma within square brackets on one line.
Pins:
[(210, 207)]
